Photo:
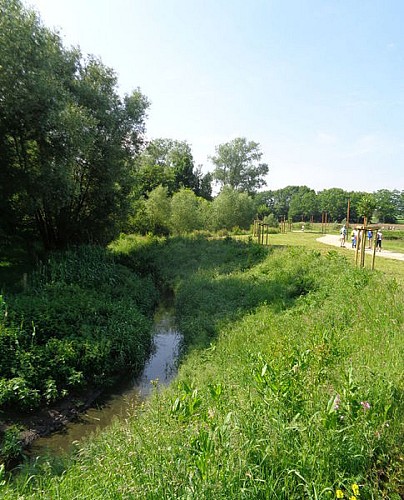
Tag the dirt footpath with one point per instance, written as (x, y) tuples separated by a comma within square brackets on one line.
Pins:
[(333, 239)]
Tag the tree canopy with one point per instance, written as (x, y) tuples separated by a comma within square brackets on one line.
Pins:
[(303, 204), (237, 165), (75, 165), (169, 163), (66, 137), (387, 205), (231, 208), (366, 206)]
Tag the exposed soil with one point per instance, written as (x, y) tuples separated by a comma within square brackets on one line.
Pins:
[(51, 419)]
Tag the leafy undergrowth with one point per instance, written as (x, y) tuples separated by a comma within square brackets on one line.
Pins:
[(81, 320), (296, 391)]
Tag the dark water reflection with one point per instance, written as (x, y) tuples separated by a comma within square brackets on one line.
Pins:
[(161, 366)]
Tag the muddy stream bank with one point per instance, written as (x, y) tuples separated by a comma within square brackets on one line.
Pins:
[(161, 366)]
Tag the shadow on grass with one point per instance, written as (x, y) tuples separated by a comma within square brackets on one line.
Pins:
[(217, 281), (205, 302), (15, 261), (176, 259)]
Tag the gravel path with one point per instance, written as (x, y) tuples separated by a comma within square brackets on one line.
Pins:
[(333, 239)]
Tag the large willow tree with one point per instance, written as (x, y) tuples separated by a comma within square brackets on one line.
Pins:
[(67, 140)]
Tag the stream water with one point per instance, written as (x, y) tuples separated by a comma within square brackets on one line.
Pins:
[(161, 366)]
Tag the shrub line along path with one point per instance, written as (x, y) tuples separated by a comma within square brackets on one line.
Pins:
[(332, 239)]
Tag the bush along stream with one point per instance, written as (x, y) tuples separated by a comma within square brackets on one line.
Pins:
[(291, 385), (81, 322), (129, 393)]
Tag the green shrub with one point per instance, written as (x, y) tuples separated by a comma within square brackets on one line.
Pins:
[(15, 392), (10, 446), (272, 221), (393, 235), (83, 319)]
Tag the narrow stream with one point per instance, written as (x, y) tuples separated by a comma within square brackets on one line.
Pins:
[(161, 366)]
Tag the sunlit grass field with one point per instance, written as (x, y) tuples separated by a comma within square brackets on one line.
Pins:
[(308, 239), (291, 385)]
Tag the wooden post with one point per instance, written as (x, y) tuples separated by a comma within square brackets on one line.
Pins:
[(324, 220), (357, 248), (347, 215), (374, 251), (363, 247)]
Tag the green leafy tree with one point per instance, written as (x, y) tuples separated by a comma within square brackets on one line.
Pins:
[(66, 137), (334, 201), (237, 165), (169, 163), (271, 220), (366, 206), (203, 184), (387, 205), (186, 214), (262, 211), (264, 201), (281, 199), (400, 205), (232, 209), (291, 201), (303, 204), (138, 221), (207, 214), (354, 199), (158, 211)]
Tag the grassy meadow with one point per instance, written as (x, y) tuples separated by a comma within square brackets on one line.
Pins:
[(290, 385), (308, 239)]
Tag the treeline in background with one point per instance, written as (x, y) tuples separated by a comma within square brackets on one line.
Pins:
[(75, 165)]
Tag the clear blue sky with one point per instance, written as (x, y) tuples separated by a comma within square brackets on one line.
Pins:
[(318, 83)]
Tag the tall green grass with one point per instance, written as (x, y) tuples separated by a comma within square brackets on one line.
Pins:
[(295, 390)]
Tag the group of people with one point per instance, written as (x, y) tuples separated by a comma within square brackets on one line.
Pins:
[(356, 237)]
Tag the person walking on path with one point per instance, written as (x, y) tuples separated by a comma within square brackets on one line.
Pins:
[(354, 237), (342, 236), (370, 238), (379, 236)]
